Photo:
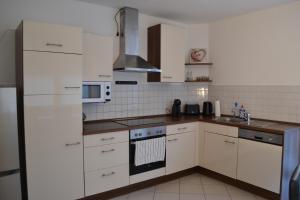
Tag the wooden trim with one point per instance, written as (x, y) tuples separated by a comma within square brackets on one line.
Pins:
[(20, 108), (240, 184), (138, 186), (154, 51)]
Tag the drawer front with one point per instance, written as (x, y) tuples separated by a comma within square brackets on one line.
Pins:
[(181, 128), (51, 37), (105, 156), (107, 179), (222, 130), (106, 138), (52, 73)]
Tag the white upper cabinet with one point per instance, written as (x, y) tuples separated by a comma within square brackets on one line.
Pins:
[(97, 58), (52, 73), (51, 37), (166, 50), (172, 53)]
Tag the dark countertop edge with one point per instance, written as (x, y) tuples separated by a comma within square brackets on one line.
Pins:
[(188, 119)]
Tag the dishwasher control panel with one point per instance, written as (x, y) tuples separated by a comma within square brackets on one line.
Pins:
[(261, 136)]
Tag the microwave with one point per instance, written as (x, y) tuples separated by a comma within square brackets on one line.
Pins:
[(96, 92)]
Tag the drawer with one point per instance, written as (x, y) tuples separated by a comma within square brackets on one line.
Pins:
[(51, 37), (222, 130), (107, 179), (52, 73), (106, 156), (106, 138), (181, 128)]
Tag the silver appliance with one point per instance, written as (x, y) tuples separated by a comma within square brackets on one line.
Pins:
[(96, 92), (129, 59), (10, 187)]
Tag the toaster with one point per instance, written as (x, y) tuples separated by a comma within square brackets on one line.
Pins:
[(192, 109)]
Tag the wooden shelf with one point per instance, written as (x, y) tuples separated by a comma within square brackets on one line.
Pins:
[(208, 81), (195, 64)]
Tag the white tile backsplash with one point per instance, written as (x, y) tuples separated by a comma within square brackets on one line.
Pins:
[(145, 99), (267, 102)]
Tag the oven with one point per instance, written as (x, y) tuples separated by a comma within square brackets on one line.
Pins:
[(96, 92), (150, 141)]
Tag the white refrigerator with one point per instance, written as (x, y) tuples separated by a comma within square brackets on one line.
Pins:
[(10, 187)]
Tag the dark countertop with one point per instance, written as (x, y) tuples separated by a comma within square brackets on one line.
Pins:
[(104, 126)]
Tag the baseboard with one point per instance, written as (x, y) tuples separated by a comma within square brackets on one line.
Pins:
[(145, 184)]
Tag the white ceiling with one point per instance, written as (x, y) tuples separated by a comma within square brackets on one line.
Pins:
[(192, 11)]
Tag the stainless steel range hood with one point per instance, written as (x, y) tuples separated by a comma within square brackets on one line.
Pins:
[(129, 60)]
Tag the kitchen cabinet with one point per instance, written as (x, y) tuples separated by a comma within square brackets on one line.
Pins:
[(106, 161), (260, 164), (180, 152), (54, 149), (166, 50), (97, 58), (52, 73), (201, 144), (220, 152), (40, 36), (49, 78)]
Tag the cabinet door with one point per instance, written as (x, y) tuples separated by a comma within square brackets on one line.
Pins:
[(97, 58), (220, 154), (52, 73), (172, 53), (180, 150), (52, 38), (54, 149), (260, 164)]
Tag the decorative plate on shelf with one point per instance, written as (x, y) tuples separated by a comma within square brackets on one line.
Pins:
[(198, 55)]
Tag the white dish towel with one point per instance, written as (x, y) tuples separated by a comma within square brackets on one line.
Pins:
[(149, 151)]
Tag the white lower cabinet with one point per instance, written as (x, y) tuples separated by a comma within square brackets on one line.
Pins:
[(260, 164), (106, 161), (180, 152), (54, 149), (220, 154), (106, 179)]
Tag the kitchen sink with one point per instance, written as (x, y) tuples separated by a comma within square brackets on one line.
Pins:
[(256, 123)]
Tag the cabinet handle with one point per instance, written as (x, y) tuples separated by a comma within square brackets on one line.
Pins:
[(167, 77), (109, 174), (54, 44), (72, 144), (173, 140), (74, 87), (105, 76), (212, 132), (229, 142), (107, 151), (105, 139), (179, 129)]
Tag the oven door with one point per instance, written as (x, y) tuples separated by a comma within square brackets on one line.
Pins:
[(93, 92), (146, 167)]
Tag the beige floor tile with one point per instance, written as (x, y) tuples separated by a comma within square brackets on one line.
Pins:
[(217, 197), (166, 196), (192, 197), (141, 196), (210, 181), (215, 189), (169, 187), (236, 192), (123, 197), (193, 179), (191, 189)]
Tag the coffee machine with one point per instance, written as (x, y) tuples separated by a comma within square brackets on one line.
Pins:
[(176, 108)]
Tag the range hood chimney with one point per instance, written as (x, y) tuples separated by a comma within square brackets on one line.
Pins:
[(129, 60)]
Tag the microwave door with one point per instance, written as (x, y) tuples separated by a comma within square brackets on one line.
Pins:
[(93, 93)]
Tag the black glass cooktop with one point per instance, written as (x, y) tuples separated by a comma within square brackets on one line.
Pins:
[(141, 122)]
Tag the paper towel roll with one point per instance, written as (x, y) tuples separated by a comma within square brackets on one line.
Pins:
[(217, 108)]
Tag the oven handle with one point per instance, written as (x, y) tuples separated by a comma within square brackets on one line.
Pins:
[(132, 141)]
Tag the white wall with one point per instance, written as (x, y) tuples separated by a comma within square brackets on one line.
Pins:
[(93, 18), (260, 48)]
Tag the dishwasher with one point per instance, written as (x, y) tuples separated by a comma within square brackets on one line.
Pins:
[(260, 159)]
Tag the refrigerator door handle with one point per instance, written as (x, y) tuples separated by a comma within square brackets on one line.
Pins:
[(9, 172)]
